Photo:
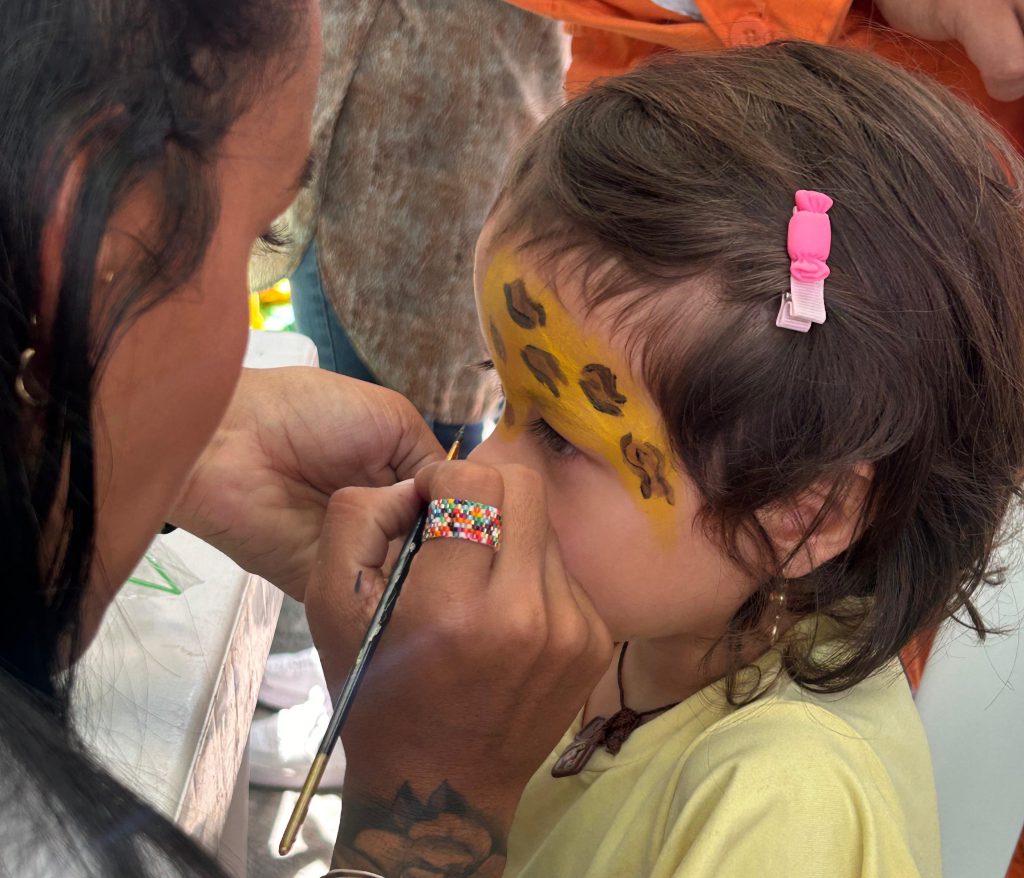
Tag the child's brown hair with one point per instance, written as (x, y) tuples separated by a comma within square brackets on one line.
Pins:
[(672, 187)]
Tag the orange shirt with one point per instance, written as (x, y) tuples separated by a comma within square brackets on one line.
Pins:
[(611, 36)]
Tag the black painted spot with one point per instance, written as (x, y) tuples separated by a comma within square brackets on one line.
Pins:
[(648, 462), (544, 367), (499, 343), (524, 311), (598, 383)]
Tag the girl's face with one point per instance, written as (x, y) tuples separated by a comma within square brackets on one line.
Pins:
[(626, 518), (167, 383)]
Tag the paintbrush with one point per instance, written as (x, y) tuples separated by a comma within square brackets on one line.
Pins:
[(362, 662)]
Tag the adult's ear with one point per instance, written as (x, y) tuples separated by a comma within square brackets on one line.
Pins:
[(57, 227), (54, 243), (34, 369), (820, 522)]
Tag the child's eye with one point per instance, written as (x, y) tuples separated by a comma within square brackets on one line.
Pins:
[(275, 239), (553, 441)]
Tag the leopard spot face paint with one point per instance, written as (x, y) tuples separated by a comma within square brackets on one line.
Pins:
[(599, 384), (648, 463), (524, 311), (569, 373), (544, 367), (498, 343)]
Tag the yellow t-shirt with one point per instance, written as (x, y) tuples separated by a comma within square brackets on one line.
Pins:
[(794, 785)]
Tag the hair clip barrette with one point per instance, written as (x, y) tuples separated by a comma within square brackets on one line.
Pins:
[(809, 243)]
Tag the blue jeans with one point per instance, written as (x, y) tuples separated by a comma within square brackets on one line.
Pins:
[(315, 317)]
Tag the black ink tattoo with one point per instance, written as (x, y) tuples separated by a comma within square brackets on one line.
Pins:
[(524, 311), (359, 582), (598, 383), (442, 837), (648, 462), (544, 367)]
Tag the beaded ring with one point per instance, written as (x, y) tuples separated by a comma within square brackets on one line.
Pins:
[(463, 520)]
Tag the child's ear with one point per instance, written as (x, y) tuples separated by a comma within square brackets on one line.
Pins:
[(833, 524)]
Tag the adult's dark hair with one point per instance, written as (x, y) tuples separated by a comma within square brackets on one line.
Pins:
[(673, 187), (120, 89)]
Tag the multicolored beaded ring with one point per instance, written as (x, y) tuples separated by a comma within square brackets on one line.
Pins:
[(455, 519)]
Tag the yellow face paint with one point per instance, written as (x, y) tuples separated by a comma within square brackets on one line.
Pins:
[(583, 388)]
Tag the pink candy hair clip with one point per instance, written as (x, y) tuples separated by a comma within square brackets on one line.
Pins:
[(810, 239)]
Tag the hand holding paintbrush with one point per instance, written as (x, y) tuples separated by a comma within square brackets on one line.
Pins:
[(486, 662), (381, 617)]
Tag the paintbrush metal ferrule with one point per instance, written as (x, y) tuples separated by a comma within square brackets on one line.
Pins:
[(301, 809), (374, 632)]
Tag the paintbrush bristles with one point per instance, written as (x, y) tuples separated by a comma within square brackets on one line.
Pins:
[(453, 452)]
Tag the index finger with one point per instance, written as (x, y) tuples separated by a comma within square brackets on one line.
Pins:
[(450, 564), (518, 494), (519, 570)]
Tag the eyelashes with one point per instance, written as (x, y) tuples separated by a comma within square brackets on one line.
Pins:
[(551, 440), (275, 239)]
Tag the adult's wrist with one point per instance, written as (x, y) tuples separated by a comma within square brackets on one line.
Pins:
[(411, 824)]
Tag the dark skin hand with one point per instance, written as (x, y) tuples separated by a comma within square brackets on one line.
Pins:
[(487, 660), (290, 439)]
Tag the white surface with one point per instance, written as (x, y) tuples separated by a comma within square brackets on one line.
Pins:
[(169, 686), (233, 851), (270, 349), (971, 701)]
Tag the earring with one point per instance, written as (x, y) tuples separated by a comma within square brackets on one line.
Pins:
[(20, 386), (779, 599)]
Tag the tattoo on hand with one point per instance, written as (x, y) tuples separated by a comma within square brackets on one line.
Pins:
[(441, 837)]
